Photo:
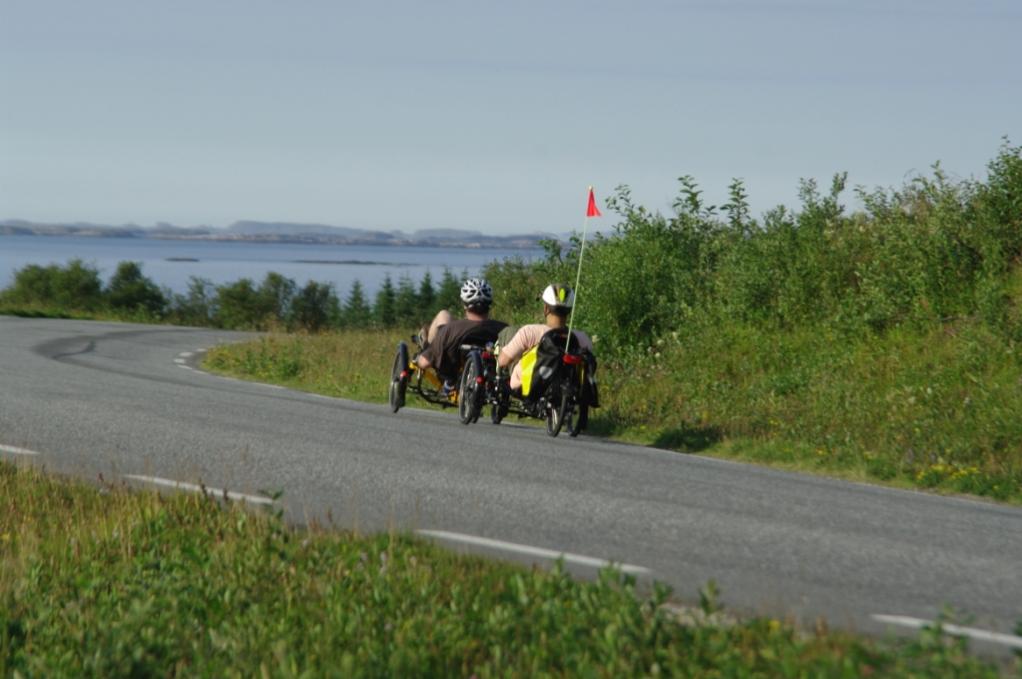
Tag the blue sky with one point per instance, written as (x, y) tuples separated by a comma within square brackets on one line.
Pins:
[(483, 115)]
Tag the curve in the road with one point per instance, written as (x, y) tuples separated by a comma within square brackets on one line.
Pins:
[(121, 399)]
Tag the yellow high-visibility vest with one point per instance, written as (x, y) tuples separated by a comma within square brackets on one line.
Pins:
[(528, 361)]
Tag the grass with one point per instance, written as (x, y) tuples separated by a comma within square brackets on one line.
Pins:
[(109, 582), (353, 364), (45, 311), (931, 409), (59, 312)]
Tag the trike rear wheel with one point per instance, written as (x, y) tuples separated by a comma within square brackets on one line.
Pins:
[(559, 410), (471, 391), (576, 424)]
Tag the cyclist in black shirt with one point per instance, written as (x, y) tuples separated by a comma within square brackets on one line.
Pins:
[(441, 341)]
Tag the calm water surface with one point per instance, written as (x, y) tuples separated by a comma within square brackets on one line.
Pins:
[(223, 262)]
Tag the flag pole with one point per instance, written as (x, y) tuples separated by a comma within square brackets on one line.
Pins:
[(591, 211)]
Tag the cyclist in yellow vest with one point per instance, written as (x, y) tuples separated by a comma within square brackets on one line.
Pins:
[(558, 301)]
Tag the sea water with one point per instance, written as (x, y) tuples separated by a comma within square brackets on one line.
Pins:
[(170, 263)]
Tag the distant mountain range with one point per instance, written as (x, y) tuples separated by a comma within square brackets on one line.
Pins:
[(281, 232)]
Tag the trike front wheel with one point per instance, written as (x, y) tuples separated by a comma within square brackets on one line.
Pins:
[(399, 378)]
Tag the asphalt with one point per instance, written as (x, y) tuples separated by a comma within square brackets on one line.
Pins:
[(115, 400)]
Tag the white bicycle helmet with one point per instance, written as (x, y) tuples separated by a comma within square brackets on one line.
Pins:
[(476, 292), (557, 295)]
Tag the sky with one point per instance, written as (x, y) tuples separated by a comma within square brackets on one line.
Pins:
[(405, 114)]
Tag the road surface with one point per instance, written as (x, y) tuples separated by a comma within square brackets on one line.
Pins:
[(126, 401)]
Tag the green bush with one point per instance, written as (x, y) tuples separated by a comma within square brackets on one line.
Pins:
[(936, 250), (197, 306), (239, 305), (74, 286), (314, 308), (130, 291)]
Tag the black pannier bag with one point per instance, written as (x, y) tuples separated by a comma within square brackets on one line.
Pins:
[(549, 361)]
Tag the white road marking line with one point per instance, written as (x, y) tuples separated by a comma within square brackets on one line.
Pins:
[(186, 367), (534, 551), (14, 450), (955, 630), (185, 354), (213, 492)]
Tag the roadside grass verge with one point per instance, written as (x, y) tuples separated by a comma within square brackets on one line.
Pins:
[(352, 364), (72, 313), (38, 311), (933, 409), (112, 582)]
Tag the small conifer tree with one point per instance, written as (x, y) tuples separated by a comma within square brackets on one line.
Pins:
[(357, 313), (427, 295), (385, 308), (406, 302), (449, 294)]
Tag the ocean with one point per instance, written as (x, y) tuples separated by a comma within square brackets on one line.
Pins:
[(170, 263)]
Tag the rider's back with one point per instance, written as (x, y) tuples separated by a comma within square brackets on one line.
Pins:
[(444, 351), (529, 336), (526, 340)]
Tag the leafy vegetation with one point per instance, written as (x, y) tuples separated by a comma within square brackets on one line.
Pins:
[(74, 287), (936, 251), (76, 290), (883, 340), (119, 583)]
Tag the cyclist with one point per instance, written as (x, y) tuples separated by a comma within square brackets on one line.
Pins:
[(441, 341), (558, 301)]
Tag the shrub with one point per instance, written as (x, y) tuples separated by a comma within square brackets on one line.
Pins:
[(276, 294), (240, 306), (935, 250), (74, 286), (131, 291), (314, 308), (198, 305)]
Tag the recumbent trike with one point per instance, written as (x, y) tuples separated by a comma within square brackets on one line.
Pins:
[(559, 384)]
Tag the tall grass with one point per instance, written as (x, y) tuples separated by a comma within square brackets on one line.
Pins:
[(138, 584), (351, 364), (933, 409)]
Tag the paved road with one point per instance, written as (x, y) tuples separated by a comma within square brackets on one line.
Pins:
[(119, 399)]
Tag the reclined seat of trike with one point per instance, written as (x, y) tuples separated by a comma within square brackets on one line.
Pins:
[(543, 363), (452, 361)]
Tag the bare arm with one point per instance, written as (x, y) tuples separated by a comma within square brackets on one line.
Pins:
[(514, 349)]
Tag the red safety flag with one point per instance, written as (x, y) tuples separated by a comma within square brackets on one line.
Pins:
[(592, 210)]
